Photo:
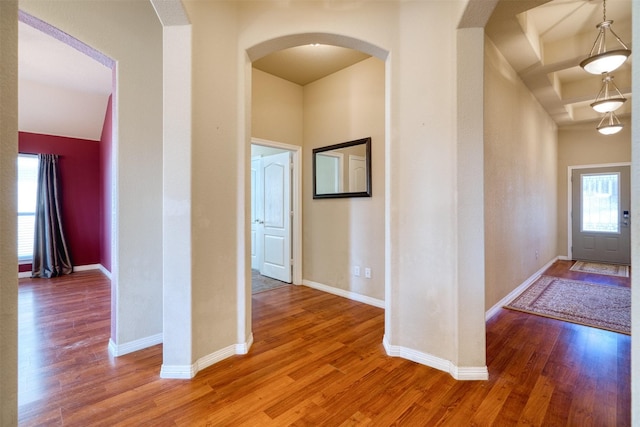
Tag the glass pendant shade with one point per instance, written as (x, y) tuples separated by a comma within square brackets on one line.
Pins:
[(609, 98), (605, 62), (608, 105), (609, 124), (601, 60)]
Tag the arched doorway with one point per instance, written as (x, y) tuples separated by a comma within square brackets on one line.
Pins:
[(298, 41)]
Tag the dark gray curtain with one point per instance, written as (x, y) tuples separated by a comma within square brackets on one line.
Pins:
[(50, 254)]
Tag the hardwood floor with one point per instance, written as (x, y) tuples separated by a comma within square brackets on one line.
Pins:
[(317, 359)]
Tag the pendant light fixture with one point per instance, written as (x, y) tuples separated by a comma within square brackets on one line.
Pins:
[(609, 124), (609, 98), (601, 60)]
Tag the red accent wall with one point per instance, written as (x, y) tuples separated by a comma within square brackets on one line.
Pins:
[(80, 191), (105, 184)]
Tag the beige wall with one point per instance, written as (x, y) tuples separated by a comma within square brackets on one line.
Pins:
[(423, 315), (423, 318), (276, 109), (8, 209), (218, 182), (520, 180), (581, 146), (130, 33), (339, 234)]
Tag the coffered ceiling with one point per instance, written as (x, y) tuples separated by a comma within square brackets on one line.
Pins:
[(544, 41)]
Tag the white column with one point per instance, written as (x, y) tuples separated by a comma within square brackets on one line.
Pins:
[(471, 342), (176, 217)]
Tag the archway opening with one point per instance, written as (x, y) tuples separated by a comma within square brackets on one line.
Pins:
[(319, 127)]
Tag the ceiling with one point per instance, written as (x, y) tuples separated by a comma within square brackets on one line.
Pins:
[(61, 91), (306, 64), (562, 31), (46, 60)]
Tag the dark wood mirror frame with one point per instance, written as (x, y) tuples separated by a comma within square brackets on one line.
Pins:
[(334, 188)]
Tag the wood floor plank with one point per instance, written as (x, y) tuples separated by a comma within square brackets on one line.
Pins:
[(317, 359)]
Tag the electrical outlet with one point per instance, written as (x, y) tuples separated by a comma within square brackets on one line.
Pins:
[(356, 271), (367, 273), (537, 254)]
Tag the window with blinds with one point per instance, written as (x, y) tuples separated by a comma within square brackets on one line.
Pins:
[(27, 193)]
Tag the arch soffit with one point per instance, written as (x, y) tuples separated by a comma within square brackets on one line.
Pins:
[(279, 43)]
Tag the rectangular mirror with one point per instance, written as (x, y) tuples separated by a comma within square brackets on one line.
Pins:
[(342, 170)]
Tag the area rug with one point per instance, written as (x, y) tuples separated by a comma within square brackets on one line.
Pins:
[(600, 268), (261, 283), (599, 306)]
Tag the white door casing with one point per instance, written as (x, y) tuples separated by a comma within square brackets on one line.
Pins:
[(274, 228), (256, 209), (329, 170)]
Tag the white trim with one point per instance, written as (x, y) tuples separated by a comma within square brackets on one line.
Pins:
[(517, 291), (104, 271), (243, 348), (186, 372), (345, 294), (178, 372), (117, 350), (87, 267), (468, 373), (215, 357), (570, 197)]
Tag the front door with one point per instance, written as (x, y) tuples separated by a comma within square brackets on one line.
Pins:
[(275, 225), (600, 219)]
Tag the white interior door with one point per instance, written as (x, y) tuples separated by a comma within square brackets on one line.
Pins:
[(275, 224), (256, 212), (601, 229), (329, 175), (357, 174)]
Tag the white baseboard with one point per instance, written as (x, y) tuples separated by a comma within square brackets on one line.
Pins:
[(86, 267), (104, 271), (517, 291), (178, 372), (243, 348), (345, 294), (470, 373), (186, 372), (117, 350)]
